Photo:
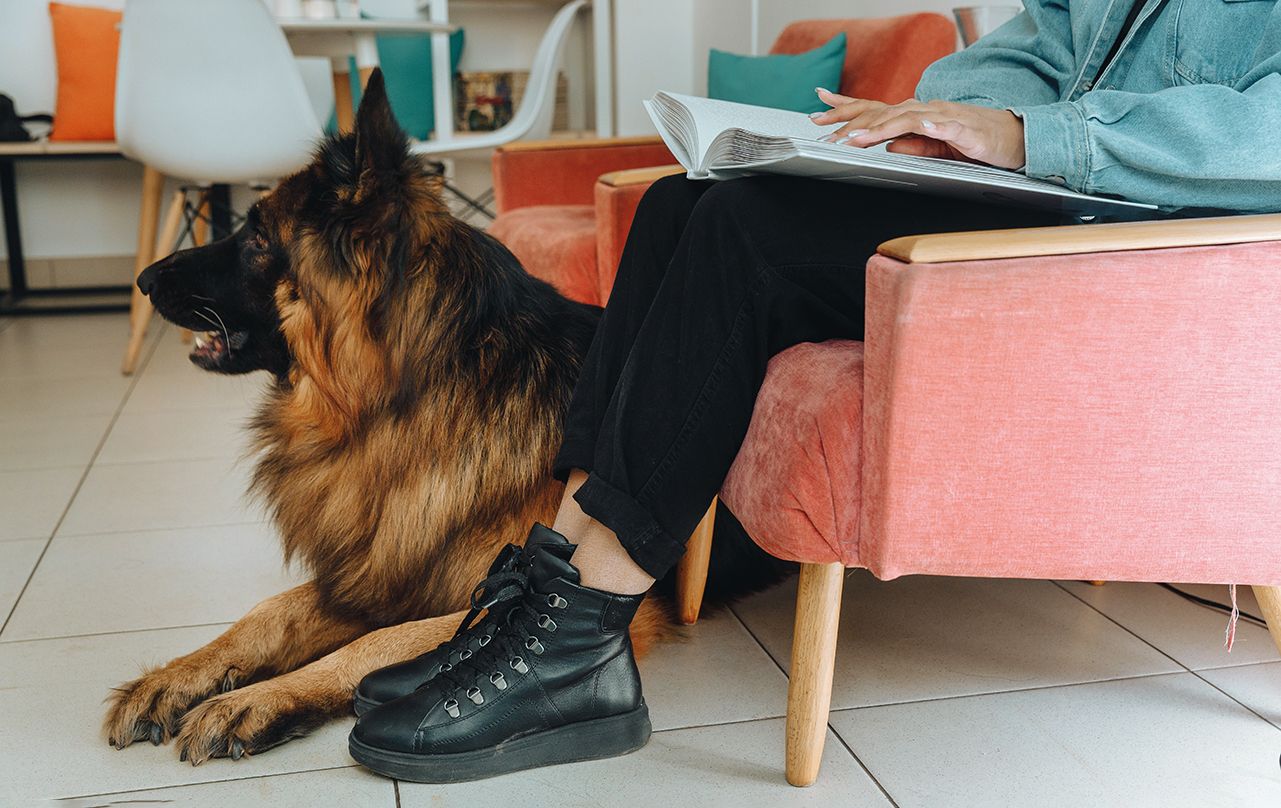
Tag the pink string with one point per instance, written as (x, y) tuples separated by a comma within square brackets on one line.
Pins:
[(1231, 634)]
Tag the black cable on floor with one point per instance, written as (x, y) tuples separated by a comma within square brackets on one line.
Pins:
[(1213, 604)]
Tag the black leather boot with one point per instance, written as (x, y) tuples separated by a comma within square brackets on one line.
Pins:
[(502, 587), (556, 683)]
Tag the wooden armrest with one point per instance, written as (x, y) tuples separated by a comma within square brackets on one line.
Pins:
[(1084, 238), (579, 143), (638, 176), (41, 148)]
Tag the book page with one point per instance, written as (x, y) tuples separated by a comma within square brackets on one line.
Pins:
[(711, 117)]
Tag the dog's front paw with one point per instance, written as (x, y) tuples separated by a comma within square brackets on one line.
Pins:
[(151, 706), (246, 722)]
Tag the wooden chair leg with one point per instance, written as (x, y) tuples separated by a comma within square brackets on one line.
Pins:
[(140, 305), (344, 108), (691, 571), (153, 186), (199, 235), (809, 686), (1269, 598)]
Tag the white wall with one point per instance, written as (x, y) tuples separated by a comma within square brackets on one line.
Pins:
[(663, 45)]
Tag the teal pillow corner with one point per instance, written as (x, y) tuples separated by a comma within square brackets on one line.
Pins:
[(405, 60), (780, 81)]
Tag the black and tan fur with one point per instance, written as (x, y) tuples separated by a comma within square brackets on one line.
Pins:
[(420, 377)]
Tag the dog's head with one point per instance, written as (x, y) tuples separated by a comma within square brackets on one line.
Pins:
[(313, 254)]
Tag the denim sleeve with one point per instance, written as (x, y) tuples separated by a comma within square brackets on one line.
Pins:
[(1196, 146), (1027, 61)]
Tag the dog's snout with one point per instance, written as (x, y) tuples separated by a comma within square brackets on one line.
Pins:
[(147, 280)]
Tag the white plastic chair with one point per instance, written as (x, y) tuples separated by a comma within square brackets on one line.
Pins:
[(533, 118), (206, 92)]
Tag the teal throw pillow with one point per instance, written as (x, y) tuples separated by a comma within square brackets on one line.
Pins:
[(781, 81), (405, 60)]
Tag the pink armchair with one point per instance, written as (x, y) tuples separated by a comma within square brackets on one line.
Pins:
[(1090, 402)]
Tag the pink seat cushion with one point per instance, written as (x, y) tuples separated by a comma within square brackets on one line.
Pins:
[(556, 243), (795, 484)]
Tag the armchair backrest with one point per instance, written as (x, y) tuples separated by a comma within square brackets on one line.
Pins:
[(884, 57)]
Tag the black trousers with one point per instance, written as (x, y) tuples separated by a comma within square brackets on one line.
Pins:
[(716, 278)]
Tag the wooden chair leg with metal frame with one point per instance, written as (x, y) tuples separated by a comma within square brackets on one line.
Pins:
[(140, 306), (153, 184)]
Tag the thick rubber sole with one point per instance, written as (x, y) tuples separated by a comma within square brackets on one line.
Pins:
[(586, 740), (362, 706)]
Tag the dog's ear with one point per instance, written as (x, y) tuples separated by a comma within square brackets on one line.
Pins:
[(380, 143)]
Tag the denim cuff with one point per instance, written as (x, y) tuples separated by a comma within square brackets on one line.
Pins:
[(641, 536), (1057, 144)]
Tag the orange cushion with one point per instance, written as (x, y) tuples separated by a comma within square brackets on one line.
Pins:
[(556, 243), (86, 42)]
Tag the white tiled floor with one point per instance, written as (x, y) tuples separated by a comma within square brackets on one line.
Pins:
[(125, 540)]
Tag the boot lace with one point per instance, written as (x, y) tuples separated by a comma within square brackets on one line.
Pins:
[(520, 632), (504, 584)]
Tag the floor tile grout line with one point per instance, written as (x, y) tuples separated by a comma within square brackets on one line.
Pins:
[(885, 791), (117, 631), (395, 786), (263, 521), (158, 460), (757, 640), (142, 530), (1122, 626), (1105, 680), (208, 782), (133, 383), (1247, 707), (1032, 689)]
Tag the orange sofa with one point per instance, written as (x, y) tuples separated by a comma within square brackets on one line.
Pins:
[(565, 207)]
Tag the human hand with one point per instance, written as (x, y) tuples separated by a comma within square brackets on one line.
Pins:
[(927, 128)]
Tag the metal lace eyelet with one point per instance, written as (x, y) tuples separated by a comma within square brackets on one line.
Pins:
[(534, 645), (465, 654), (446, 667), (484, 640), (556, 601), (498, 680), (451, 707), (518, 665), (475, 695), (546, 623)]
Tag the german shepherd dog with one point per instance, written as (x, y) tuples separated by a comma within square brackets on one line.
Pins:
[(419, 382)]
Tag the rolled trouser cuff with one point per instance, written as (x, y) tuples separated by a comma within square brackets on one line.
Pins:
[(642, 537)]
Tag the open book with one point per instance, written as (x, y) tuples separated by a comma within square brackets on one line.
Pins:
[(721, 140)]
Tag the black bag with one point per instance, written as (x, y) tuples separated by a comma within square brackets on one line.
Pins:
[(11, 128)]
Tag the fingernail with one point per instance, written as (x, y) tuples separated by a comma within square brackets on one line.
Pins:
[(822, 90), (927, 124), (855, 135), (816, 115)]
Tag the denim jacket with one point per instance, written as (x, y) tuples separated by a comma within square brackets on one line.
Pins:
[(1188, 115)]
